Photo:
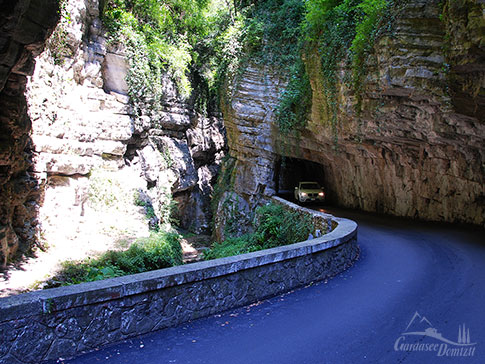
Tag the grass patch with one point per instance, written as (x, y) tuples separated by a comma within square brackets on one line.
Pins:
[(160, 250)]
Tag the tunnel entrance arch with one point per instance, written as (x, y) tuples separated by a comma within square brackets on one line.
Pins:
[(290, 171)]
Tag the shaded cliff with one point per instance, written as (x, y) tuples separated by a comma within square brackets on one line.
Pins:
[(24, 28), (416, 147)]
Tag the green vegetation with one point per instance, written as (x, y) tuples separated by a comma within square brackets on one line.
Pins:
[(167, 207), (296, 100), (272, 31), (231, 246), (142, 200), (186, 39), (279, 32), (199, 42), (273, 226), (157, 35), (105, 190), (274, 36), (160, 250), (162, 218), (57, 43), (344, 31)]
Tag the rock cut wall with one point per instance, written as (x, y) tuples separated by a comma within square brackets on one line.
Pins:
[(417, 149), (24, 28), (87, 135), (80, 149)]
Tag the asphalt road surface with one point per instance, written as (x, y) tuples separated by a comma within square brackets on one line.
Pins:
[(360, 316)]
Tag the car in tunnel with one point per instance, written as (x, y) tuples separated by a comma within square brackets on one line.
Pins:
[(309, 191)]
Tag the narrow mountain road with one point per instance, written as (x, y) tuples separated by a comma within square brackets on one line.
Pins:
[(405, 268)]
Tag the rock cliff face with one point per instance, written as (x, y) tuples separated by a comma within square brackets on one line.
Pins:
[(90, 170), (80, 134), (83, 122), (24, 27), (418, 147)]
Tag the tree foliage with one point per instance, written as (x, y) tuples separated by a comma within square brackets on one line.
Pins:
[(181, 38), (204, 40)]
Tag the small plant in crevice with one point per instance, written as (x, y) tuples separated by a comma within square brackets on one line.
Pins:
[(143, 200), (47, 306), (167, 157), (225, 182), (57, 44), (159, 207), (166, 207)]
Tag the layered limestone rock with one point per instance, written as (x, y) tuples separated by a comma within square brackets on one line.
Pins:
[(417, 149), (80, 134), (102, 175), (24, 27)]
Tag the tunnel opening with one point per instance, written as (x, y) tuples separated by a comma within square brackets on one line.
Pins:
[(289, 172)]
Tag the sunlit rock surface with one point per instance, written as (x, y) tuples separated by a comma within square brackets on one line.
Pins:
[(78, 172), (82, 126)]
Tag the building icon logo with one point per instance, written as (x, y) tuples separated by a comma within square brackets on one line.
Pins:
[(421, 328)]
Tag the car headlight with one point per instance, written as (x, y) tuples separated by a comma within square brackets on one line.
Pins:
[(321, 194), (303, 194)]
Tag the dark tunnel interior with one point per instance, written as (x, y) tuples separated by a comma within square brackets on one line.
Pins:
[(290, 171)]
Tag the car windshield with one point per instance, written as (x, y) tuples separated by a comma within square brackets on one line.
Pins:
[(310, 186)]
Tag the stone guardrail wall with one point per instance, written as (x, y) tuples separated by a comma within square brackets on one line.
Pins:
[(65, 321)]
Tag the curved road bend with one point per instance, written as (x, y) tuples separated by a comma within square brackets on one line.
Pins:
[(405, 267)]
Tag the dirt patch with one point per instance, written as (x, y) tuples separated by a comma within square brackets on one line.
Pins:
[(193, 246)]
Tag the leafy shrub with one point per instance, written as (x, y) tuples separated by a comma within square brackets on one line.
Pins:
[(272, 32), (273, 226), (160, 250), (157, 35), (231, 246), (186, 39)]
